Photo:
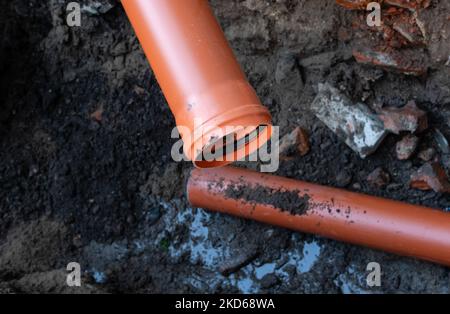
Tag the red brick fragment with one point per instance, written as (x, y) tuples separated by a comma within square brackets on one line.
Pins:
[(408, 118), (296, 142), (355, 4), (412, 5), (406, 26), (391, 60), (431, 176)]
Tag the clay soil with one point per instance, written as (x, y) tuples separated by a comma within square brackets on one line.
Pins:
[(86, 173)]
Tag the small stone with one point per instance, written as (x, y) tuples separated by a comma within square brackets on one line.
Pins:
[(427, 154), (119, 49), (95, 209), (76, 241), (431, 176), (296, 142), (237, 262), (441, 141), (34, 169), (445, 160), (406, 147), (124, 205), (130, 219), (408, 118), (379, 178), (285, 65), (269, 281), (394, 187), (153, 215), (97, 7), (139, 90), (97, 115), (343, 179)]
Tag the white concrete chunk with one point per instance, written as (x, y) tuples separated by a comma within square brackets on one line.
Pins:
[(354, 123)]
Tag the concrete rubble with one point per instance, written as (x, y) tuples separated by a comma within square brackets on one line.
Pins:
[(360, 129)]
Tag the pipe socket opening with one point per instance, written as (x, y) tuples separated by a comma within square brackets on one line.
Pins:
[(232, 147)]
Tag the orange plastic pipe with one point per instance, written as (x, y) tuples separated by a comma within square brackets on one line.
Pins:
[(198, 73), (379, 223)]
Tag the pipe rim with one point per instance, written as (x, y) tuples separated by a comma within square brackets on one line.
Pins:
[(248, 120)]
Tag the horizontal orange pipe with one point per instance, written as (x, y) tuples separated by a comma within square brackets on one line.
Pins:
[(199, 75), (370, 221)]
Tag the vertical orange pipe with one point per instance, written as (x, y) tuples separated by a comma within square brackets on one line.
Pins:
[(360, 219), (199, 75)]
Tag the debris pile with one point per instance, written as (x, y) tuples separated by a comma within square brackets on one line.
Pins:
[(363, 131), (398, 42)]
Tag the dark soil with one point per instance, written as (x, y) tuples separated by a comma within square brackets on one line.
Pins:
[(290, 201), (103, 191)]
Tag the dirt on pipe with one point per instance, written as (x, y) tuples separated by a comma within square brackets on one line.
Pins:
[(290, 201)]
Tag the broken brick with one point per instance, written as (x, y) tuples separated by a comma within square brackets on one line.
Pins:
[(354, 4), (407, 27), (405, 62), (408, 118), (412, 5), (399, 29), (296, 142), (431, 176), (379, 178), (406, 147)]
